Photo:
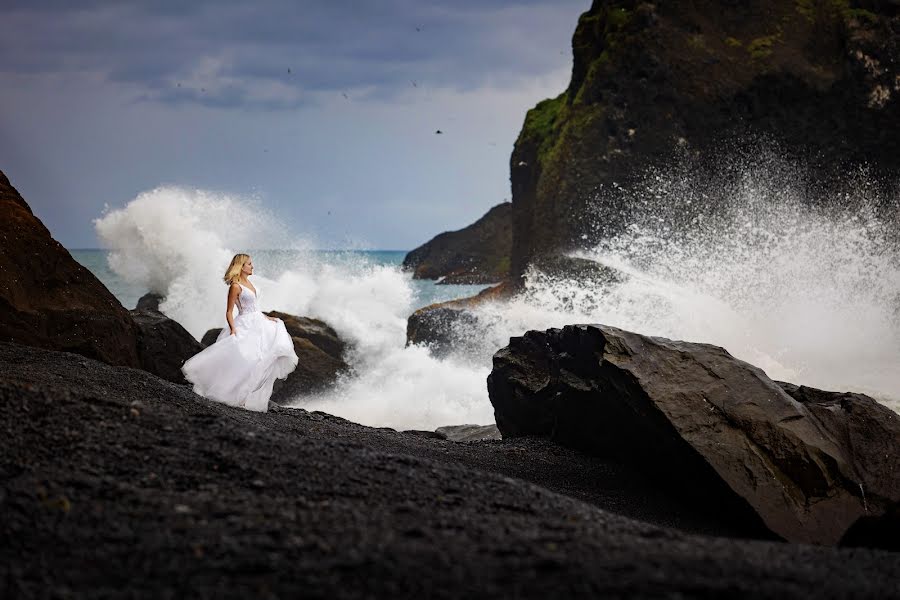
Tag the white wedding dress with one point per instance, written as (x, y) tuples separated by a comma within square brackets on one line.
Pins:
[(240, 370)]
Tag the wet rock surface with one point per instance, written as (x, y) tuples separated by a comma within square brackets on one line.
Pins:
[(697, 417), (115, 482), (163, 344)]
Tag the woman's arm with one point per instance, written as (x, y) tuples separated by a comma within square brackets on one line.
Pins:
[(233, 293)]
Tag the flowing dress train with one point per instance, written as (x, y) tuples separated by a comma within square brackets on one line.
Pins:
[(240, 370)]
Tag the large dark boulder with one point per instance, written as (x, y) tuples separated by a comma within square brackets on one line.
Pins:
[(475, 254), (163, 344), (48, 300), (653, 83), (703, 420), (321, 357)]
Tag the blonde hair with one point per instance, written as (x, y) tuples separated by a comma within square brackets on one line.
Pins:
[(233, 272)]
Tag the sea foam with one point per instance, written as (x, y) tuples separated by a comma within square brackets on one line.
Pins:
[(811, 295)]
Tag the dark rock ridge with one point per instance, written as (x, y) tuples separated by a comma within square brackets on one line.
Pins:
[(653, 81), (175, 495), (48, 300), (321, 354), (476, 254), (442, 326), (807, 462), (163, 344)]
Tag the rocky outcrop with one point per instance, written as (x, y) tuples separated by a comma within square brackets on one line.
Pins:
[(808, 463), (469, 433), (321, 354), (163, 344), (439, 325), (476, 254), (172, 488), (653, 82), (48, 300)]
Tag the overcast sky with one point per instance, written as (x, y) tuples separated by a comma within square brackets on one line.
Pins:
[(324, 111)]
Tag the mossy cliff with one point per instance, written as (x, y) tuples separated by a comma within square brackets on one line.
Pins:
[(818, 77)]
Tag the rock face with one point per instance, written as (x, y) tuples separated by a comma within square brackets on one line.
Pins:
[(163, 344), (808, 467), (50, 301), (474, 255), (653, 80), (469, 433), (320, 351)]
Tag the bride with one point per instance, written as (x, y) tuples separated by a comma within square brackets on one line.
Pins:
[(241, 367)]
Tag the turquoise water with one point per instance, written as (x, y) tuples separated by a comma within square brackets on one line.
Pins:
[(273, 262)]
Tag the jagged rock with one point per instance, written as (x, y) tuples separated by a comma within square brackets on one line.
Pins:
[(476, 254), (695, 415), (320, 351), (209, 338), (318, 332), (437, 325), (149, 301), (469, 433), (163, 344), (48, 300), (652, 82)]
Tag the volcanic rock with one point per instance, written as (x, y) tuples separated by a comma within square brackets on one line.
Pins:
[(476, 254), (320, 351), (697, 416), (163, 344), (653, 83), (469, 433), (48, 300), (439, 325)]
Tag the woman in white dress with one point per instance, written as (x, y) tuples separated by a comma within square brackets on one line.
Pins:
[(241, 367)]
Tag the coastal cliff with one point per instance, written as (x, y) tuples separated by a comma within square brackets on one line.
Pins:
[(816, 80)]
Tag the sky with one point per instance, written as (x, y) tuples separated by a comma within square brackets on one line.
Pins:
[(324, 112)]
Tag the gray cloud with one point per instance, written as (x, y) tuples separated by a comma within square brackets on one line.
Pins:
[(235, 54)]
